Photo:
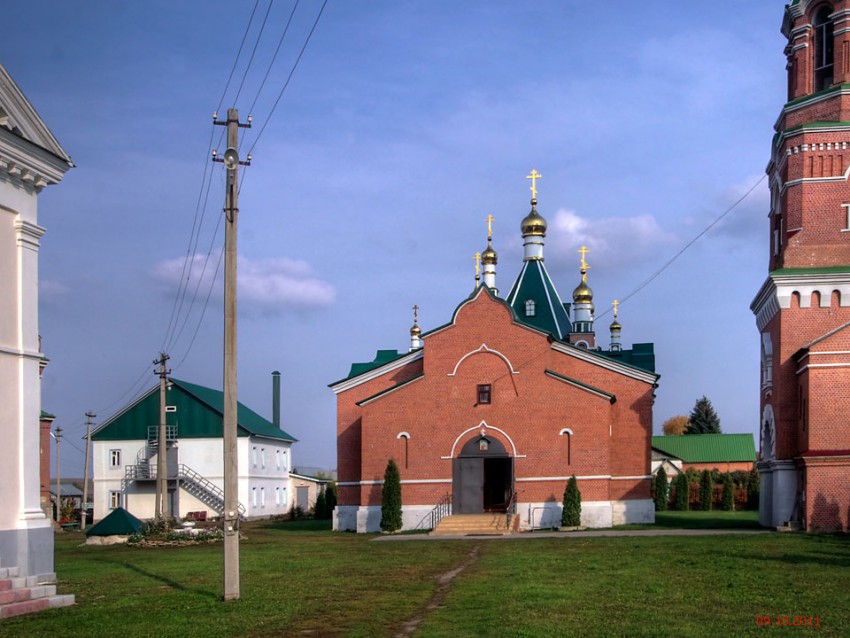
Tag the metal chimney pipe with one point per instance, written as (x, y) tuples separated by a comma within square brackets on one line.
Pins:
[(276, 399)]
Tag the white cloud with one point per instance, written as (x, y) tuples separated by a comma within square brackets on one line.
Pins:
[(49, 289), (265, 284), (614, 242)]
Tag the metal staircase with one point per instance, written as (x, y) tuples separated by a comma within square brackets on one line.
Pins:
[(194, 483)]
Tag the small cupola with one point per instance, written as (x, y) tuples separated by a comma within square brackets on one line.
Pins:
[(533, 226)]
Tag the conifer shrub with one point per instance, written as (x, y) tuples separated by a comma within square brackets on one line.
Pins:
[(705, 491), (330, 499), (391, 499), (683, 492), (571, 515), (728, 493), (661, 494), (753, 490), (320, 511)]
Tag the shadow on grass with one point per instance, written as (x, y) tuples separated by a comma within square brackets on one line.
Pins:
[(701, 520), (830, 550), (163, 579)]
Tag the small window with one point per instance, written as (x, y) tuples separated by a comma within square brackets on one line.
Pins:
[(254, 496), (277, 458), (277, 496), (530, 308), (114, 500), (484, 393), (263, 457), (254, 454), (262, 497), (115, 459), (846, 208)]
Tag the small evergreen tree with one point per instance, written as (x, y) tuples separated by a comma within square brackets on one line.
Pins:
[(703, 418), (683, 492), (705, 490), (571, 516), (728, 493), (661, 490), (391, 499), (330, 499), (320, 511), (753, 490)]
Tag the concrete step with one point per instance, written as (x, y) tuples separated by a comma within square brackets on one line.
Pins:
[(26, 595), (472, 524), (8, 572)]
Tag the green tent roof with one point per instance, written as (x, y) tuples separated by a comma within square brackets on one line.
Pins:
[(707, 448), (119, 522), (198, 413), (550, 313)]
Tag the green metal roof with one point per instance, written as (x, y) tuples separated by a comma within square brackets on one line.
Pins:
[(707, 448), (381, 358), (642, 355), (822, 270), (198, 414), (550, 313)]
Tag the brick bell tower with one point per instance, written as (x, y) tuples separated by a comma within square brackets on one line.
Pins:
[(803, 308)]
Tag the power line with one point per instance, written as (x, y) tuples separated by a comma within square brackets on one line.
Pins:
[(286, 84), (253, 52), (238, 53), (670, 261), (274, 57)]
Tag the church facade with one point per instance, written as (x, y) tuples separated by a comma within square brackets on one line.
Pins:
[(499, 407), (803, 308)]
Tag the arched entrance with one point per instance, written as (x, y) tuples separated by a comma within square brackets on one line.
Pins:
[(482, 477)]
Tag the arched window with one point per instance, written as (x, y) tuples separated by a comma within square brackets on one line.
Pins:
[(530, 308), (824, 48)]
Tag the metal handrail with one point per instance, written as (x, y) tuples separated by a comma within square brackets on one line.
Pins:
[(170, 433), (510, 510), (442, 509), (213, 493)]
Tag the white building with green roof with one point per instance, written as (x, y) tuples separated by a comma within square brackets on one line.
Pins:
[(125, 449)]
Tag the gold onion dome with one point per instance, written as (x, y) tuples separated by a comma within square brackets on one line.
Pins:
[(415, 331), (583, 293), (615, 326), (533, 224), (489, 255)]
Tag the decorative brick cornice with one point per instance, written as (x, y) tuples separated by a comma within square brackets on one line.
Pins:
[(775, 294)]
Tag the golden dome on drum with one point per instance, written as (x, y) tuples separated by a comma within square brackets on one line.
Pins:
[(615, 326), (415, 331), (489, 255), (583, 293), (533, 224)]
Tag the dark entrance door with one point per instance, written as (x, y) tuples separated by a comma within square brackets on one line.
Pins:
[(482, 476)]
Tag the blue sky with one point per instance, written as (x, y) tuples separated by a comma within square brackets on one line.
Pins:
[(404, 126)]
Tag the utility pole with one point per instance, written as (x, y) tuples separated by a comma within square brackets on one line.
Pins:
[(231, 460), (160, 506), (58, 437), (90, 416)]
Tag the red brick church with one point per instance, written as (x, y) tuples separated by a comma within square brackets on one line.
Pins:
[(496, 409), (803, 308)]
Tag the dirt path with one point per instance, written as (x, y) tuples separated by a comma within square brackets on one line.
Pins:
[(444, 583)]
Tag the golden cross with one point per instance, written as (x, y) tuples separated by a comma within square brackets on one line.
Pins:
[(415, 313), (534, 177), (616, 305), (477, 258), (490, 220), (584, 251)]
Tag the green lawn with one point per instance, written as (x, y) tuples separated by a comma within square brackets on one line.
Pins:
[(301, 580)]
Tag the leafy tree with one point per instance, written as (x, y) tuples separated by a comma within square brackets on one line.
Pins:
[(661, 490), (728, 493), (683, 492), (391, 499), (703, 419), (571, 516), (675, 426), (320, 511), (753, 490), (705, 491)]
